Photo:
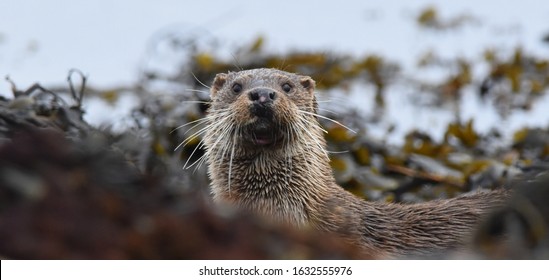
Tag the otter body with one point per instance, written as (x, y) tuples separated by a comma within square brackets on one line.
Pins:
[(266, 153)]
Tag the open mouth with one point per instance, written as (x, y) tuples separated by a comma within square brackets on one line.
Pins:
[(264, 134), (264, 138)]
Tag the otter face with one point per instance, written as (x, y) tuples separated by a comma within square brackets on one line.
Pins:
[(263, 104), (262, 133)]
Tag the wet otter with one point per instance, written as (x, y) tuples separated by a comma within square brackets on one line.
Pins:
[(266, 153)]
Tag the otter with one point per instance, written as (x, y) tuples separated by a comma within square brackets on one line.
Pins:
[(266, 153)]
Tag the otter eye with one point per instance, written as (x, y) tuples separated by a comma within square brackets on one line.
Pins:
[(237, 88), (286, 87)]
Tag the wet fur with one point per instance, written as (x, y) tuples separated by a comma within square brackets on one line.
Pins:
[(291, 181)]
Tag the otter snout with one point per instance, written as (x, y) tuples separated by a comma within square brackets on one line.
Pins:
[(262, 95), (262, 101)]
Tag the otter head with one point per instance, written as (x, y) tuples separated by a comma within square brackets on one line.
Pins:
[(264, 146), (262, 105)]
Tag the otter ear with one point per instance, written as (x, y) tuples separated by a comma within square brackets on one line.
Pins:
[(308, 84), (218, 83)]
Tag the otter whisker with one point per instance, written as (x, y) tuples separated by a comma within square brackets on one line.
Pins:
[(333, 99), (328, 119), (290, 167), (202, 120), (328, 110), (337, 152), (295, 132), (237, 63), (192, 127), (225, 131), (315, 140), (314, 124), (288, 157), (191, 137), (231, 166), (194, 135), (189, 158), (324, 101), (195, 102), (200, 82), (201, 160), (225, 149), (205, 119), (317, 126), (220, 152), (197, 90), (200, 145)]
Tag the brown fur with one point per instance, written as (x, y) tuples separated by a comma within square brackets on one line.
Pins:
[(290, 179)]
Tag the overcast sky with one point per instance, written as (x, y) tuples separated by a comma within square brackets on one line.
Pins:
[(41, 39)]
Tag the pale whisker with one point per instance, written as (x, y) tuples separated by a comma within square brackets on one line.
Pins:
[(328, 119), (316, 142), (197, 90), (189, 123), (188, 159), (231, 167), (328, 110), (315, 124), (194, 135), (200, 82), (337, 152)]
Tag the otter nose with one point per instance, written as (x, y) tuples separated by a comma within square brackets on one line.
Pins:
[(262, 101), (262, 96)]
